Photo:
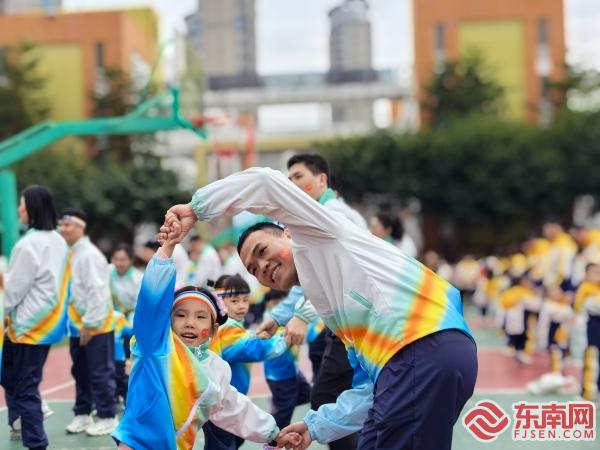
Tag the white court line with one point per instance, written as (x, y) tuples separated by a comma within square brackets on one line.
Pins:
[(58, 387)]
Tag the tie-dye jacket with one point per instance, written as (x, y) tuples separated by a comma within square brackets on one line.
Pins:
[(373, 297), (240, 347), (90, 304), (173, 389), (37, 289)]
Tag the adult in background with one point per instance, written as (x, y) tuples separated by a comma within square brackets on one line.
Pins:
[(36, 298), (390, 229), (91, 330)]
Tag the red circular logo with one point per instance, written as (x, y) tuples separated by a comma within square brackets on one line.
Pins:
[(486, 421)]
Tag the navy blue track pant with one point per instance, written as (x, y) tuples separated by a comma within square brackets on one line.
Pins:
[(286, 395), (420, 393), (22, 366), (94, 373)]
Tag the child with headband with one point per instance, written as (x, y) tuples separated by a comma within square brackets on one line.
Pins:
[(177, 383)]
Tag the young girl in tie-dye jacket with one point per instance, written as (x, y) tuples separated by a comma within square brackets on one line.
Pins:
[(177, 383)]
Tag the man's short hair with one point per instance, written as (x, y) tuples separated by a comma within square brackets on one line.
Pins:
[(268, 227), (75, 212), (313, 162)]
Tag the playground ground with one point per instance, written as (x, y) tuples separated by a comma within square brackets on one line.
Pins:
[(500, 379)]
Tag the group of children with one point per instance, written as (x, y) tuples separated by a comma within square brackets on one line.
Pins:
[(176, 375), (59, 285), (546, 296), (182, 322)]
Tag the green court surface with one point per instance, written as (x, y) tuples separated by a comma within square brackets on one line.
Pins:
[(59, 440)]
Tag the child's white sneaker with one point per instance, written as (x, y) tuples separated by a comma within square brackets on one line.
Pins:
[(523, 358), (102, 427), (79, 424), (46, 410)]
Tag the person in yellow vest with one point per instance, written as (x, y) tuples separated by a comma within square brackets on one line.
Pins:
[(466, 273), (512, 302), (587, 301), (554, 327), (561, 254), (91, 330), (588, 240), (36, 297), (536, 251), (518, 265)]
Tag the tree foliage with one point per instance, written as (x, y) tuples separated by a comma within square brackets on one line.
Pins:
[(115, 196), (461, 88), (116, 95), (120, 186), (22, 103), (493, 179)]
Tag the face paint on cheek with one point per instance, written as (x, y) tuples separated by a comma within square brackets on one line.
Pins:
[(286, 254), (204, 334), (308, 187)]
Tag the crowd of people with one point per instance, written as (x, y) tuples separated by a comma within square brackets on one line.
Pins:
[(544, 297), (170, 331)]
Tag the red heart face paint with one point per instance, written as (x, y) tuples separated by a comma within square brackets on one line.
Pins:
[(285, 254), (308, 187), (204, 334)]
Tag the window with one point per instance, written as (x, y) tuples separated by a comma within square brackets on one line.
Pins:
[(543, 32), (440, 37), (99, 55)]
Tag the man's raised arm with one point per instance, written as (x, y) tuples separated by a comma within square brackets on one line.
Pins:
[(261, 191)]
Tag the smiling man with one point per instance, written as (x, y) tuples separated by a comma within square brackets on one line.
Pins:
[(414, 358)]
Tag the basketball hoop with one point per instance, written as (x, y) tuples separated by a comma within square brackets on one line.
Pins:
[(230, 141)]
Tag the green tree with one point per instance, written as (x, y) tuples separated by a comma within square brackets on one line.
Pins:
[(461, 88), (491, 179), (115, 196), (579, 90), (116, 95), (22, 103)]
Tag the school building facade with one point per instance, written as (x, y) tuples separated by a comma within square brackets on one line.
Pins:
[(75, 48), (522, 43)]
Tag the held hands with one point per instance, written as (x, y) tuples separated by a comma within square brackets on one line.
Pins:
[(295, 331), (294, 436), (267, 328), (289, 441), (185, 216)]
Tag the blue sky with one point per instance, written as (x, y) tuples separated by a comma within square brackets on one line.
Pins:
[(292, 35)]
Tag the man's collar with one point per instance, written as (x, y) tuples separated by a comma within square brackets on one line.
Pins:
[(327, 195)]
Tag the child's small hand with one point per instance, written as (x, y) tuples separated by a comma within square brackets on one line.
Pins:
[(291, 440), (174, 235), (294, 436), (170, 234), (263, 335)]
